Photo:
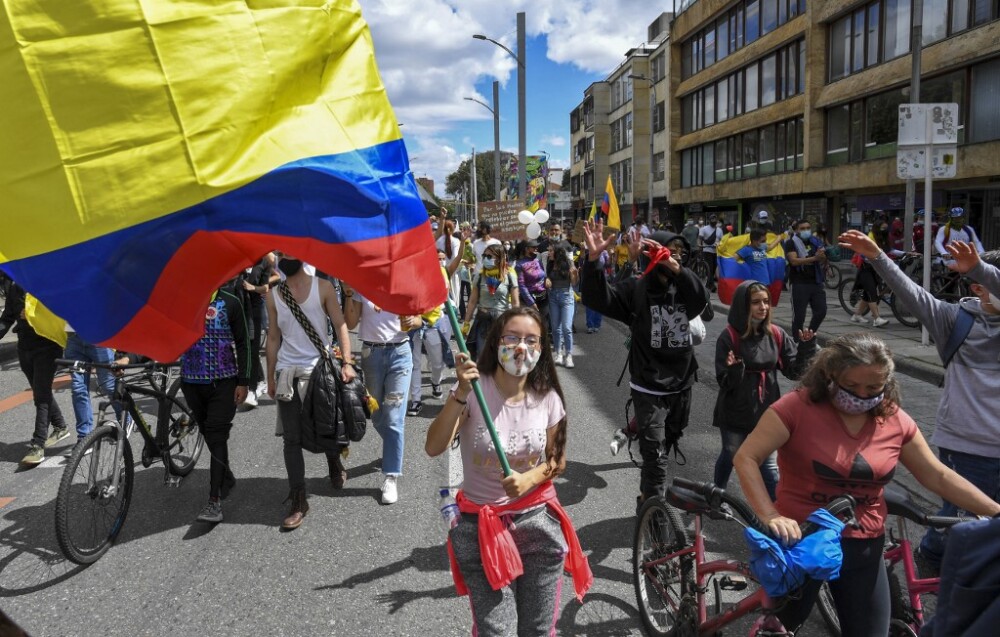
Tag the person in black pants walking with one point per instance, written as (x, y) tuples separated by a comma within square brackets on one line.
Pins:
[(37, 356), (806, 256), (214, 378)]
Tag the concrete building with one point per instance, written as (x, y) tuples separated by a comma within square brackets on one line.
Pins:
[(791, 106), (610, 132)]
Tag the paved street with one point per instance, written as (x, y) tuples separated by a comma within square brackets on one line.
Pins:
[(355, 566)]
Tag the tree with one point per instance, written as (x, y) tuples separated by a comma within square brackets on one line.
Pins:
[(565, 179), (457, 181)]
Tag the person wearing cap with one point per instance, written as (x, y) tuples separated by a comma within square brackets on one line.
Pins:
[(955, 230), (709, 238), (658, 307)]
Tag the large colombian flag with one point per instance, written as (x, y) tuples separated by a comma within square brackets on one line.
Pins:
[(732, 270), (151, 150)]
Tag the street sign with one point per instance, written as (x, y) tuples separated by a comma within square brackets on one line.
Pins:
[(911, 163), (913, 125)]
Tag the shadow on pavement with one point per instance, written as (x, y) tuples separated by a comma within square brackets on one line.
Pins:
[(600, 615)]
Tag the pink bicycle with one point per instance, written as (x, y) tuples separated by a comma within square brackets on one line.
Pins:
[(907, 609), (678, 590)]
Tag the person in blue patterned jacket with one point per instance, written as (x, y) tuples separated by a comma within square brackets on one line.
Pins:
[(215, 377)]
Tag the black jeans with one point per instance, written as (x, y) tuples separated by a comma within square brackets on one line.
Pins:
[(660, 421), (256, 331), (295, 463), (807, 295), (861, 593), (214, 407), (39, 365), (711, 258)]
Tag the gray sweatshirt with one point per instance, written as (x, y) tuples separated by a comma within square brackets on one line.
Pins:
[(967, 416)]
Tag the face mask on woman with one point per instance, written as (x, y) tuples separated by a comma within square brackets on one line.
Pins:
[(806, 235), (518, 360), (489, 263), (851, 403)]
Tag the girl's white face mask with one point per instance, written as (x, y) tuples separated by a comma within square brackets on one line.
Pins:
[(518, 360)]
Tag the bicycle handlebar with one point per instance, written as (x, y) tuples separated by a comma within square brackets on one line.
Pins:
[(841, 506), (944, 522), (82, 365)]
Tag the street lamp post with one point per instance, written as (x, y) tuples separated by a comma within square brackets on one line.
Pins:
[(652, 115), (496, 135), (519, 57)]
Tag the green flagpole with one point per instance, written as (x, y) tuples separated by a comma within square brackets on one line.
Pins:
[(457, 329)]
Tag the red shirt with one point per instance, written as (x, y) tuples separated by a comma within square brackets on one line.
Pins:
[(821, 461)]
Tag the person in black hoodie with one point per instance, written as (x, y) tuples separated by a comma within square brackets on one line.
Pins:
[(747, 370), (657, 306)]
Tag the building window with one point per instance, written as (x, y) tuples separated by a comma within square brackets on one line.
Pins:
[(722, 40), (983, 120), (768, 15), (659, 67), (750, 154), (753, 21), (722, 99), (659, 166), (745, 155), (766, 153), (709, 97), (872, 51), (840, 48), (768, 80), (897, 28), (838, 123), (751, 89), (858, 41), (882, 123), (709, 47), (659, 117), (935, 25), (628, 129)]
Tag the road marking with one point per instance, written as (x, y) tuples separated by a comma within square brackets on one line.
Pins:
[(18, 399)]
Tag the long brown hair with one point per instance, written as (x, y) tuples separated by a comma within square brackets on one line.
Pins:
[(541, 380), (843, 353), (501, 258), (757, 286), (449, 232)]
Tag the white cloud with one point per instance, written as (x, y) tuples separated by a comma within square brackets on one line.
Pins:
[(557, 141), (429, 61)]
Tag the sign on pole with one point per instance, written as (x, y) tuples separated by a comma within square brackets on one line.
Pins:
[(927, 137)]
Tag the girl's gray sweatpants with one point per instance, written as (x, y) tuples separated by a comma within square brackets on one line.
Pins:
[(529, 607)]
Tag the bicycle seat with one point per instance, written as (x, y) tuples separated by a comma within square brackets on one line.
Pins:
[(687, 500), (899, 503)]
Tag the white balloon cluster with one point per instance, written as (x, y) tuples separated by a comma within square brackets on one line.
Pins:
[(534, 221)]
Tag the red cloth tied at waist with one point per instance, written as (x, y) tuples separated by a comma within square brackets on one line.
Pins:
[(501, 559), (655, 256)]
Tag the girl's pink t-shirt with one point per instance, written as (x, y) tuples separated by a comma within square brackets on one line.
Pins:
[(822, 460), (522, 428)]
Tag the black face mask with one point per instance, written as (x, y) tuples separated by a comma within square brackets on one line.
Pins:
[(290, 267)]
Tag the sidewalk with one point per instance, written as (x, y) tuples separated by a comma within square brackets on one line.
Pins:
[(912, 358)]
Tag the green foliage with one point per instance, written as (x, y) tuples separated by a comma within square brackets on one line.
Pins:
[(458, 180)]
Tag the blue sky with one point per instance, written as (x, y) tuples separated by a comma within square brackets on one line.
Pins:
[(429, 62)]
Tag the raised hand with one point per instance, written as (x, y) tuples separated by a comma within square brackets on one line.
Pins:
[(965, 255), (593, 239), (806, 335), (860, 243), (731, 359)]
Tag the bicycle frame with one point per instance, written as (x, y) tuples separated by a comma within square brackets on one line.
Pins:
[(703, 572), (901, 551)]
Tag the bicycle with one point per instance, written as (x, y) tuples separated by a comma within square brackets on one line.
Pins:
[(906, 607), (96, 486), (850, 296), (832, 275), (672, 577), (698, 264)]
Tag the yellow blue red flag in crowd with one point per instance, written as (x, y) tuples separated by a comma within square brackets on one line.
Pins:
[(149, 151)]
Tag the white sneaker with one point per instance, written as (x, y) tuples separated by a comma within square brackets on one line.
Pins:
[(389, 493), (568, 361), (557, 358), (251, 400), (261, 388), (879, 322), (857, 318)]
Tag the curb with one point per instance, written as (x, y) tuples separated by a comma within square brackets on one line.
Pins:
[(914, 368)]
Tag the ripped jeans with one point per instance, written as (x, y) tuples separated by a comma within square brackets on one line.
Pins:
[(387, 375)]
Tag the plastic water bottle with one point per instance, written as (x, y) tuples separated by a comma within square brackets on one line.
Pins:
[(449, 510), (619, 441)]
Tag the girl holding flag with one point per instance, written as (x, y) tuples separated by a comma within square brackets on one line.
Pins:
[(513, 539)]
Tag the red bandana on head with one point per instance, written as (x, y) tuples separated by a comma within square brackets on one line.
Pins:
[(655, 256)]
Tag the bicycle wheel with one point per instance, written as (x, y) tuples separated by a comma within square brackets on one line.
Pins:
[(828, 610), (89, 511), (833, 276), (848, 296), (184, 440), (902, 314), (660, 588), (700, 269)]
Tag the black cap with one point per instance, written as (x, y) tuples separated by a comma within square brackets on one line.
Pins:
[(531, 243)]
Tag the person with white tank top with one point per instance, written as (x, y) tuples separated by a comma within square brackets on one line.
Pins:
[(291, 357), (388, 364)]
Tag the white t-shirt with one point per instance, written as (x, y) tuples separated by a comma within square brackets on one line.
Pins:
[(479, 247), (378, 325), (454, 285), (706, 233), (522, 428), (296, 349)]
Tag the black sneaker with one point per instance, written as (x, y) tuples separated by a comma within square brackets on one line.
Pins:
[(436, 391), (212, 513), (413, 409)]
